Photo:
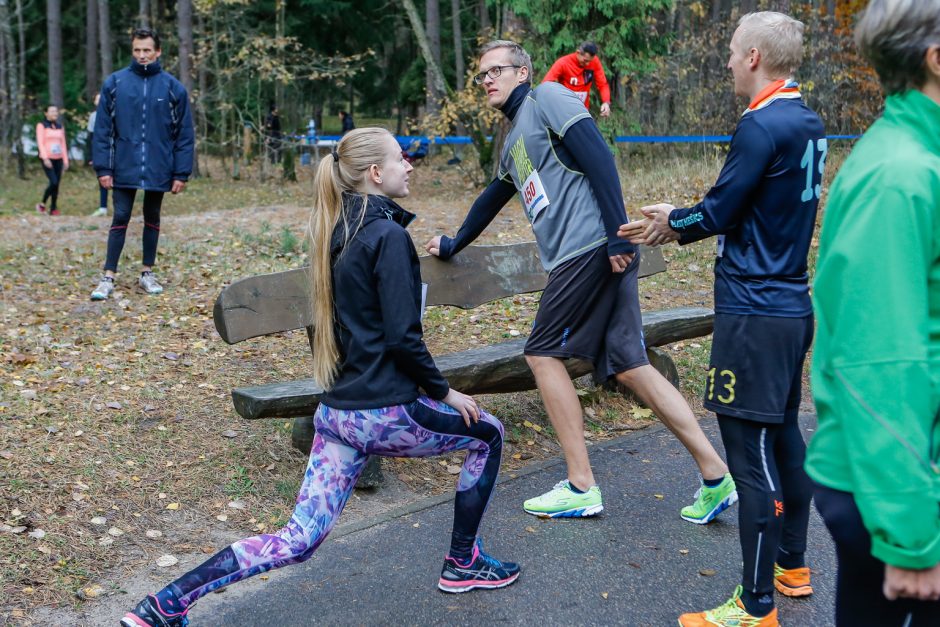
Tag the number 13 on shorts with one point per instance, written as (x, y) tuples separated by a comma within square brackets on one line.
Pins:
[(724, 380)]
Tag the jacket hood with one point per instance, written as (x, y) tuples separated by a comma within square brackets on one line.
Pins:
[(377, 208), (150, 69)]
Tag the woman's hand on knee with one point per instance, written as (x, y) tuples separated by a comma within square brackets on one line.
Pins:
[(464, 404)]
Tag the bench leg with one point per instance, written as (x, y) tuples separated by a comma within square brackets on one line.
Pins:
[(302, 439)]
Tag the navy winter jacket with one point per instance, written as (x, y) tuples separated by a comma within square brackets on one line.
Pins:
[(144, 129), (377, 304)]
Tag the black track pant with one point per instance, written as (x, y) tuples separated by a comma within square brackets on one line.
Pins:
[(123, 203), (766, 462), (54, 174), (859, 596)]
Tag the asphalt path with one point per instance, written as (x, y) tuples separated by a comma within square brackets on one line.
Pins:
[(637, 563)]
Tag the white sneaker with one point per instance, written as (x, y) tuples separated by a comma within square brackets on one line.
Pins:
[(104, 289), (149, 283), (100, 211)]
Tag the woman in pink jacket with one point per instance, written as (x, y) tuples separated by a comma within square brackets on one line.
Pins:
[(50, 137)]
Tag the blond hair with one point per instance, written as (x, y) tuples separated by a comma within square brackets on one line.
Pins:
[(356, 151), (778, 38)]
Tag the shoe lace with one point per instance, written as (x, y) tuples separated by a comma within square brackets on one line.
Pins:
[(490, 561), (730, 609)]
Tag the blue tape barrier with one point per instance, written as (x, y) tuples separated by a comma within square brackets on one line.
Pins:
[(408, 140)]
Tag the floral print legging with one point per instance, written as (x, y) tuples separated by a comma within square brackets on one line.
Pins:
[(341, 447)]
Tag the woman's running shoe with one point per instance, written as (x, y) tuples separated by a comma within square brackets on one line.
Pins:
[(482, 571), (152, 613), (792, 582), (731, 614), (563, 502), (709, 502), (41, 208)]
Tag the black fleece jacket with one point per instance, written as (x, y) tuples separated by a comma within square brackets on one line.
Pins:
[(377, 307)]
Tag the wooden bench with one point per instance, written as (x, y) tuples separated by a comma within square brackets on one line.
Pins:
[(273, 303)]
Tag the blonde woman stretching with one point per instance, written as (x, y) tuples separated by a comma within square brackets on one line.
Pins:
[(370, 356)]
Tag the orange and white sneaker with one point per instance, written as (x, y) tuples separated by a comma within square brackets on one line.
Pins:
[(731, 614), (792, 582)]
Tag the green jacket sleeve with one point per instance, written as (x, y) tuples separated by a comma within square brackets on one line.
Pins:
[(874, 380)]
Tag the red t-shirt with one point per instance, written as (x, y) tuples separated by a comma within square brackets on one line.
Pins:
[(569, 73)]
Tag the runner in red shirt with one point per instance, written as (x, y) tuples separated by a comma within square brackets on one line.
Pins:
[(577, 71)]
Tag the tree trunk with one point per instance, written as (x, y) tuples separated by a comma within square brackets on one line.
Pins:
[(484, 15), (21, 84), (203, 81), (92, 83), (104, 38), (54, 39), (143, 14), (418, 28), (184, 16), (458, 44), (433, 24), (11, 90)]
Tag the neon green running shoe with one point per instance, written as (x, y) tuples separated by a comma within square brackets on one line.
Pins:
[(709, 502), (563, 502)]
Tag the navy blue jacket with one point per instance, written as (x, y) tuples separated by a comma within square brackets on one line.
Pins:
[(763, 207), (144, 129), (377, 305)]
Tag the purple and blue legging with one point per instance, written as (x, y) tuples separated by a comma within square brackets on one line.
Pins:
[(341, 447)]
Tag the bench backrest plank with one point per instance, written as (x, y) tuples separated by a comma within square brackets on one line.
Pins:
[(271, 303)]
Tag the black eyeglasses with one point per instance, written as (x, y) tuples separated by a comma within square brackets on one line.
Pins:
[(493, 73)]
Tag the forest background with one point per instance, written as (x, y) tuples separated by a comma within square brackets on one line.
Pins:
[(405, 63)]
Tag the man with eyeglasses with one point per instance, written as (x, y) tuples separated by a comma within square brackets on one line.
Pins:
[(556, 159), (578, 71)]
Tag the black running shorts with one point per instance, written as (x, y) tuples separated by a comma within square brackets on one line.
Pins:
[(590, 312), (756, 366)]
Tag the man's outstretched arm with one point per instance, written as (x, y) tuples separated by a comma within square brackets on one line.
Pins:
[(482, 212)]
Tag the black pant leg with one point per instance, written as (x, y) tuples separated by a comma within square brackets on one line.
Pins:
[(123, 203), (859, 596), (152, 203), (749, 447)]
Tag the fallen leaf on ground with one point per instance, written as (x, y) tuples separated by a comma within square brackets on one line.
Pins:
[(113, 405), (153, 534), (166, 560), (173, 506), (707, 572)]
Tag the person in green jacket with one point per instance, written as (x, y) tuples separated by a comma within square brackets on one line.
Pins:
[(876, 367)]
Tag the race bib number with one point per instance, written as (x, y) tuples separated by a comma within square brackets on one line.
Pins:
[(55, 148), (533, 196), (721, 246)]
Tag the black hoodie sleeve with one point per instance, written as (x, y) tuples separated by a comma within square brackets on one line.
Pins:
[(401, 316), (587, 146), (482, 212)]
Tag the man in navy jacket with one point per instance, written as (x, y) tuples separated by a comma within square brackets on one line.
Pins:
[(143, 140)]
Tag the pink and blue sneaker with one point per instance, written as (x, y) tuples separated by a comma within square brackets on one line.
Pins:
[(481, 571)]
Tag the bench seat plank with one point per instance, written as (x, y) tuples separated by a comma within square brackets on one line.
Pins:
[(490, 369)]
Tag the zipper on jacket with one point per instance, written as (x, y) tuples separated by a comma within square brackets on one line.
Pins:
[(143, 137)]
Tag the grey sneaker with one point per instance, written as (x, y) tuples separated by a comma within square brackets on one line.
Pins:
[(104, 289), (100, 211), (149, 283)]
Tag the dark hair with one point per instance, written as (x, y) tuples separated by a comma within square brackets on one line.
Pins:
[(588, 47), (146, 33), (49, 106), (343, 114)]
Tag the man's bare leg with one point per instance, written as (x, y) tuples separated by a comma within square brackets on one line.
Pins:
[(670, 407), (564, 412)]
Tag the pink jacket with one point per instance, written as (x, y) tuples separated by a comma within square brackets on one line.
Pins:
[(50, 137)]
